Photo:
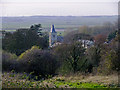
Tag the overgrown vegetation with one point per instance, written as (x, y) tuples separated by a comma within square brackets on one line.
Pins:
[(23, 39), (39, 62), (15, 80), (71, 56), (26, 51)]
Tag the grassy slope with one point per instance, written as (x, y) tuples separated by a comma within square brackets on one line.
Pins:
[(11, 80)]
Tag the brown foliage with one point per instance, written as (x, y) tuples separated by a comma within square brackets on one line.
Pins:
[(100, 39)]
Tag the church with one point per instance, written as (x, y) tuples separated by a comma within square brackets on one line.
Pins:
[(54, 39)]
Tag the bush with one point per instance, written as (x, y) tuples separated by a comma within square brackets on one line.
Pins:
[(93, 58), (9, 61), (110, 57), (109, 62), (71, 57), (39, 61)]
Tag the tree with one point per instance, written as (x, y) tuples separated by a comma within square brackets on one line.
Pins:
[(70, 55), (24, 39), (93, 57), (75, 36), (112, 35), (85, 30), (110, 57), (100, 39), (95, 30), (37, 28), (13, 42)]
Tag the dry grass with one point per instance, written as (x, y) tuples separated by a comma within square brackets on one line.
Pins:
[(109, 79), (59, 81)]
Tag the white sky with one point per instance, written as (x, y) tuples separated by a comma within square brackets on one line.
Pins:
[(58, 7)]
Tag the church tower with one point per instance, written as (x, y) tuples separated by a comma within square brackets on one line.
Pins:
[(52, 36)]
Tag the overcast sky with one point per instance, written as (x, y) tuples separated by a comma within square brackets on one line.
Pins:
[(58, 7)]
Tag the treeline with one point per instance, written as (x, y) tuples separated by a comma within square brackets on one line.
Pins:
[(34, 60), (102, 58), (106, 28), (23, 39), (68, 57)]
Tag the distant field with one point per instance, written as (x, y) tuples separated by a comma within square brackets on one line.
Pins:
[(10, 30), (61, 22), (62, 33)]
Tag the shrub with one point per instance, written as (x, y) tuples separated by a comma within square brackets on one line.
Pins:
[(109, 58), (109, 62), (93, 58), (29, 50), (41, 62), (9, 61)]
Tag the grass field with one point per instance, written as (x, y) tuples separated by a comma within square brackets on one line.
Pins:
[(12, 80), (10, 30), (62, 33)]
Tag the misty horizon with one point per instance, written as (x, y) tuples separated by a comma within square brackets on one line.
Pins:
[(61, 16), (59, 9)]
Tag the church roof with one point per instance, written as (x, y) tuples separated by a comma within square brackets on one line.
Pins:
[(53, 29)]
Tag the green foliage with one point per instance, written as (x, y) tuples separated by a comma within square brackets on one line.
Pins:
[(110, 62), (112, 35), (109, 58), (75, 36), (23, 39), (9, 61), (70, 56), (39, 61), (101, 29), (36, 28), (57, 82), (29, 50), (93, 57), (79, 85)]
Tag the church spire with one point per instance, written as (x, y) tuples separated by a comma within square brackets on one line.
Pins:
[(52, 36), (53, 29)]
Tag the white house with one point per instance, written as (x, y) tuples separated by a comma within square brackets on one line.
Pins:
[(87, 43)]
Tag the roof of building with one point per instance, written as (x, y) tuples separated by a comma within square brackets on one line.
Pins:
[(60, 38), (53, 29)]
